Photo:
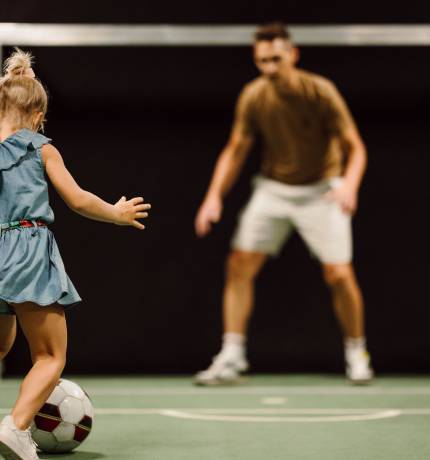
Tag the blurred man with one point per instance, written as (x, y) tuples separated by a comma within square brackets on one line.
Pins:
[(313, 161)]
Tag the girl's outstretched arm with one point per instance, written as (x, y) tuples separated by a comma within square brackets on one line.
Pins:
[(124, 212)]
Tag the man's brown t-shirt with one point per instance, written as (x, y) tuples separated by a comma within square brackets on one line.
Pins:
[(301, 128)]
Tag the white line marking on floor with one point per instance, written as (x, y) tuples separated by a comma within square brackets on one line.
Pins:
[(265, 391), (273, 401), (254, 390), (262, 419), (258, 411)]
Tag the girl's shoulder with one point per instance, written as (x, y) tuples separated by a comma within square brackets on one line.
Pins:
[(19, 144)]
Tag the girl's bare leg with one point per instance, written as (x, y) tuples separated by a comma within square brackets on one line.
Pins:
[(46, 332), (7, 334)]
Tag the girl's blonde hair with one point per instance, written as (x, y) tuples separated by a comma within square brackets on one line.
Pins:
[(22, 96)]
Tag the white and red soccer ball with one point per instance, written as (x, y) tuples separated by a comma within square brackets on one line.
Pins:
[(65, 420)]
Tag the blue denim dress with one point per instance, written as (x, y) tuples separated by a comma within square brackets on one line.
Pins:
[(31, 268)]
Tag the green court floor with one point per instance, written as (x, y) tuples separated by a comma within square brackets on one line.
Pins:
[(266, 418)]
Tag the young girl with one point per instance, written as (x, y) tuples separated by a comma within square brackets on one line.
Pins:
[(34, 286)]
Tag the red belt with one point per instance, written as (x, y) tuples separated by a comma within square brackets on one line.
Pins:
[(21, 223), (29, 223)]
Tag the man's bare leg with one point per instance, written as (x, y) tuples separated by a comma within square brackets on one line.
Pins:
[(241, 270), (347, 298), (349, 308)]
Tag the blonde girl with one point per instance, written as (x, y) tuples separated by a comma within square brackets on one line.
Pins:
[(34, 287)]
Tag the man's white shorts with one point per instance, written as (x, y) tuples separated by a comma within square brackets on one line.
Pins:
[(276, 209)]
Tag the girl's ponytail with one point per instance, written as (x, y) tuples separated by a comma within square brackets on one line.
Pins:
[(18, 63)]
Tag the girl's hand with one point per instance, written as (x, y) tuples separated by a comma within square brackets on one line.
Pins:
[(131, 210)]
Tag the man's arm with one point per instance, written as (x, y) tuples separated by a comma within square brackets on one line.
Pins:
[(227, 170), (347, 194), (342, 126), (356, 158), (230, 163)]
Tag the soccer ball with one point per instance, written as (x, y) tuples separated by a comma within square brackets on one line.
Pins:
[(65, 420)]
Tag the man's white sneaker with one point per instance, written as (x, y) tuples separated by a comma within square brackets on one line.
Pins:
[(224, 370), (16, 444), (358, 369)]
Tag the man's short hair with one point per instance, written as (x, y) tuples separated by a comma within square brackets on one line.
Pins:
[(270, 31)]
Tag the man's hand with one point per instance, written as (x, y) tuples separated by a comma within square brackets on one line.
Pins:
[(131, 210), (346, 196), (209, 213)]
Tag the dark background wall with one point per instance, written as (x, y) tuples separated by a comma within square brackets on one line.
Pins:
[(223, 11), (151, 121)]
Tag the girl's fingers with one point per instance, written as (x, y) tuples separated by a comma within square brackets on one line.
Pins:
[(142, 207), (137, 200), (138, 225), (121, 200), (141, 215)]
